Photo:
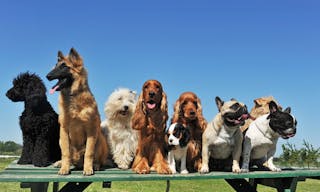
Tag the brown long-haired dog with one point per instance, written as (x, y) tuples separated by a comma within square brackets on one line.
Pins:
[(81, 140), (188, 111), (150, 117)]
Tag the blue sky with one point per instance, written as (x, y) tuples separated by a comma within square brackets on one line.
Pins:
[(231, 49)]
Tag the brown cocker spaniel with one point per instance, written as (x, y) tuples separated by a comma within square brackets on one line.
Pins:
[(150, 117), (188, 111)]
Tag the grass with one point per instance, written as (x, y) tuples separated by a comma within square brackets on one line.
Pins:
[(310, 185)]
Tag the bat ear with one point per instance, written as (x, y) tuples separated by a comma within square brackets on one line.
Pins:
[(219, 103), (287, 110), (273, 107)]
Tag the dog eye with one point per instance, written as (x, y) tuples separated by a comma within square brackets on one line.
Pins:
[(235, 106), (195, 103), (120, 98), (62, 65)]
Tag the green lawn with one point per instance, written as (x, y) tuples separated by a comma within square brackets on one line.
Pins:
[(152, 186)]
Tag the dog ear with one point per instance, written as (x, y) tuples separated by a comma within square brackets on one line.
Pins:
[(185, 137), (75, 58), (273, 107), (164, 102), (139, 119), (60, 56), (219, 103), (176, 111), (164, 109), (201, 119), (287, 110)]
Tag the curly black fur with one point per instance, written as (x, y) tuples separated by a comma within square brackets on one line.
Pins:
[(38, 122)]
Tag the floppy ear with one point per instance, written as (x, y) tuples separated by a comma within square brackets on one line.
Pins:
[(139, 117), (185, 137), (219, 103), (75, 58), (176, 112), (164, 104), (164, 110), (201, 119)]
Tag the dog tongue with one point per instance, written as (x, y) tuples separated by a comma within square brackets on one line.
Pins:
[(151, 106), (53, 89)]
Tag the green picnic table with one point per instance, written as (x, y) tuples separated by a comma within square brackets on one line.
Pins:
[(37, 179)]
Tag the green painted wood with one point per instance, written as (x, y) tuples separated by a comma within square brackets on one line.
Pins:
[(28, 173)]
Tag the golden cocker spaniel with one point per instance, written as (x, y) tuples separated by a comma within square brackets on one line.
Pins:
[(188, 111), (150, 117)]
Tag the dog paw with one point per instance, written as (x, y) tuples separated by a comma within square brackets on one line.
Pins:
[(164, 170), (123, 166), (244, 170), (88, 172), (64, 171), (173, 169), (57, 164), (184, 171), (236, 170), (275, 169), (204, 169)]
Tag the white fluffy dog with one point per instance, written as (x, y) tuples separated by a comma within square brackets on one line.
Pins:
[(122, 138)]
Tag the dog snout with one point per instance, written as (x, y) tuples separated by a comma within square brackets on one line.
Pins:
[(49, 76), (152, 94), (170, 140), (192, 113), (126, 107)]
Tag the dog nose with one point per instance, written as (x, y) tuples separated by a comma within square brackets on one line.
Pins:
[(49, 76), (152, 94), (170, 140), (125, 108), (192, 113)]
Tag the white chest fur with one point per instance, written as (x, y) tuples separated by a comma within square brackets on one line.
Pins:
[(262, 138), (224, 143)]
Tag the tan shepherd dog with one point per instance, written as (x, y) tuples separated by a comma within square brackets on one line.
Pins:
[(81, 140)]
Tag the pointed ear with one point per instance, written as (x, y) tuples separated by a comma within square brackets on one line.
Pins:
[(219, 103), (273, 107), (287, 110), (60, 56), (75, 58)]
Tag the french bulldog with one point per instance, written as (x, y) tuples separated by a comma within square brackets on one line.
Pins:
[(262, 135), (222, 138)]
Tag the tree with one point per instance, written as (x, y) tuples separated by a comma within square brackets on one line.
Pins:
[(305, 156)]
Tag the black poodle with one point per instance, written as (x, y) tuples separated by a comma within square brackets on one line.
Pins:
[(38, 122)]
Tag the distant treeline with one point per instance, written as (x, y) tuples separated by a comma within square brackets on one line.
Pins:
[(10, 148), (306, 156)]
